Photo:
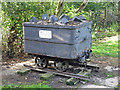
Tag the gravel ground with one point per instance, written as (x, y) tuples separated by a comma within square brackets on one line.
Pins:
[(106, 77)]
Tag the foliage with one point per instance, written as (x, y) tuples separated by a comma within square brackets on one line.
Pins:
[(105, 48), (105, 32), (40, 85), (14, 14), (102, 15)]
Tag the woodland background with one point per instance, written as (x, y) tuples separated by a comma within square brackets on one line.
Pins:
[(103, 14)]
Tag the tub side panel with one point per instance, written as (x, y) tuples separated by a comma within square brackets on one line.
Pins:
[(50, 49), (58, 35)]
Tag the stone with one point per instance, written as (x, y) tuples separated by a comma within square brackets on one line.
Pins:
[(75, 18), (68, 18), (93, 86), (34, 19), (63, 21), (45, 17), (46, 76), (53, 18), (108, 68), (64, 16), (82, 17)]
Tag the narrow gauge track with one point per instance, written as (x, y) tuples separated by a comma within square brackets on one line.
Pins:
[(65, 74)]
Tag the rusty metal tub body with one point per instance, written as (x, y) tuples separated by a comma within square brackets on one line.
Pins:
[(67, 42)]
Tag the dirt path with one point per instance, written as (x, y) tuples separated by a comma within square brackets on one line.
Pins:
[(113, 38)]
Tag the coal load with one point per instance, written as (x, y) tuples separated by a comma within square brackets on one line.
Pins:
[(62, 20)]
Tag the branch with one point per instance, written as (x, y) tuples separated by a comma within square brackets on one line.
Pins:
[(82, 6), (60, 7)]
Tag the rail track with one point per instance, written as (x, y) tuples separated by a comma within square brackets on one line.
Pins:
[(65, 74)]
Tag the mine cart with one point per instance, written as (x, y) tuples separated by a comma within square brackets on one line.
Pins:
[(63, 44)]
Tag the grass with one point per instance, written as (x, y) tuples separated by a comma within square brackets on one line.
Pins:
[(105, 48), (109, 48), (40, 85)]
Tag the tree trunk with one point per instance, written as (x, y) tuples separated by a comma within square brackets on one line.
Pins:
[(106, 16), (119, 11), (11, 40), (82, 6)]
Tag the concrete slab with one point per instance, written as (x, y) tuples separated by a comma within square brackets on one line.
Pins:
[(93, 86), (110, 82)]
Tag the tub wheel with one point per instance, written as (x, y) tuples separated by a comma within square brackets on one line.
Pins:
[(41, 62), (61, 66)]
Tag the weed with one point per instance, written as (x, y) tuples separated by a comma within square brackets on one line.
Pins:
[(40, 85), (109, 75)]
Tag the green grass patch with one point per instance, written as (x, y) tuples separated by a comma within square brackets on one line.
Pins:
[(105, 48), (40, 85)]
